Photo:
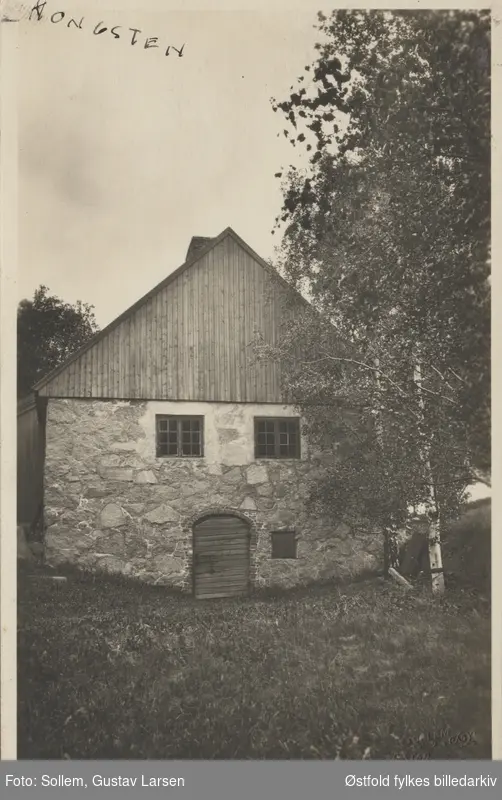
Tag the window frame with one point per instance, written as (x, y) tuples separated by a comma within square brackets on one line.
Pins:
[(179, 418), (277, 445), (293, 537)]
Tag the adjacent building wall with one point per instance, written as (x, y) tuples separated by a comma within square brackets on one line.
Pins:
[(30, 462), (111, 503)]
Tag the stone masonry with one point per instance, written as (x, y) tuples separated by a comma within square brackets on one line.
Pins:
[(111, 503)]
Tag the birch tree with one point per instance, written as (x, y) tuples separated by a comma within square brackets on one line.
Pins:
[(432, 506), (388, 232)]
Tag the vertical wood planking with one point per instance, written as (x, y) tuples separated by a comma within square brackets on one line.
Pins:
[(115, 361), (88, 372), (62, 383), (190, 323), (205, 351), (154, 345), (219, 374), (189, 335), (201, 338), (225, 292), (110, 364), (139, 351), (148, 348), (274, 315), (241, 323), (85, 374), (190, 341), (137, 354), (81, 364), (104, 366), (93, 352), (71, 379), (230, 312), (238, 322), (210, 345), (175, 297), (78, 382), (99, 377), (142, 357), (157, 346), (197, 331), (102, 370), (181, 349), (99, 369), (180, 352), (121, 334), (222, 326), (74, 383), (120, 382), (258, 319), (133, 357), (169, 364), (127, 356), (163, 346), (255, 300), (183, 373), (247, 301), (144, 351)]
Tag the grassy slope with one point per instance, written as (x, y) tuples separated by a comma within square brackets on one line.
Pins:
[(112, 669)]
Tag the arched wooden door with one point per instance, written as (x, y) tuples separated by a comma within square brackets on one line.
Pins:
[(221, 557)]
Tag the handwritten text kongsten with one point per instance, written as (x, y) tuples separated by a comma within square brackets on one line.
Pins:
[(134, 36)]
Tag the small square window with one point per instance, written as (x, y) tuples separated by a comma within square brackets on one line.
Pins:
[(179, 436), (277, 438), (284, 544)]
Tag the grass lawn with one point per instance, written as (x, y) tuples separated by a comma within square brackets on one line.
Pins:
[(109, 668)]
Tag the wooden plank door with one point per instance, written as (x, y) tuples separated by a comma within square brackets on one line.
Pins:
[(221, 557)]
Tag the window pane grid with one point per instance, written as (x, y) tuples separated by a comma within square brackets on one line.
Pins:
[(179, 436), (277, 438)]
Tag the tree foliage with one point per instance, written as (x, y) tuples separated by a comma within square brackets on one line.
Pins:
[(48, 332), (389, 231)]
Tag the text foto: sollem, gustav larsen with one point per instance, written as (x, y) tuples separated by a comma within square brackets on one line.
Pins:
[(113, 780)]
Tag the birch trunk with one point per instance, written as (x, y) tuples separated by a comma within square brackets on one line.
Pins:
[(390, 548), (434, 530)]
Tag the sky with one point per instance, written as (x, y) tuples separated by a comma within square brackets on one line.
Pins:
[(126, 153)]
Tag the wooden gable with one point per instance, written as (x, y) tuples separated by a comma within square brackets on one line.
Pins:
[(190, 338)]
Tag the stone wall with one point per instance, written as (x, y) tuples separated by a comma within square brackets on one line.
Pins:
[(111, 503)]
